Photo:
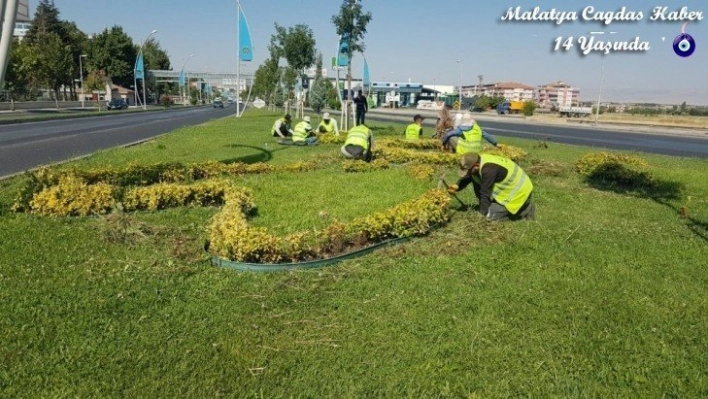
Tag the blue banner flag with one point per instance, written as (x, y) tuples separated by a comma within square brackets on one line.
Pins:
[(139, 67), (343, 56), (245, 48), (366, 79), (181, 78)]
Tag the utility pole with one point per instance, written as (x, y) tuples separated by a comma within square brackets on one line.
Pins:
[(81, 80), (599, 94)]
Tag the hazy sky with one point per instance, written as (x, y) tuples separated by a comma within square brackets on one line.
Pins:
[(421, 40)]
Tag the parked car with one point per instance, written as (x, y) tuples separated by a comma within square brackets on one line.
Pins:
[(218, 103), (117, 103)]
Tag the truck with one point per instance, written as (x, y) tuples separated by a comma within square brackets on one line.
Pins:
[(510, 107), (575, 112)]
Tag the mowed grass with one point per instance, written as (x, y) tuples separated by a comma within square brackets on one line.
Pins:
[(602, 296)]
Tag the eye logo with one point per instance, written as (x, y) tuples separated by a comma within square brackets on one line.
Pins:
[(684, 45)]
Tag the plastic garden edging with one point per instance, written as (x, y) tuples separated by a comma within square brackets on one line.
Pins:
[(313, 264)]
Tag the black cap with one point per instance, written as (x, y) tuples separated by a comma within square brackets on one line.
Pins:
[(418, 116), (288, 117)]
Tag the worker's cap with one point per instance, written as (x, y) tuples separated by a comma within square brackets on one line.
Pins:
[(468, 161), (467, 119), (325, 116), (306, 119), (418, 117), (288, 117)]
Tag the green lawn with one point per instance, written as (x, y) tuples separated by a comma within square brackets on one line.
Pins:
[(604, 295)]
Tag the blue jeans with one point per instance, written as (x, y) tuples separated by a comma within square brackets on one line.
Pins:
[(308, 141)]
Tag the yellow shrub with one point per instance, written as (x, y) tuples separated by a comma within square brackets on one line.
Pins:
[(595, 161), (71, 196)]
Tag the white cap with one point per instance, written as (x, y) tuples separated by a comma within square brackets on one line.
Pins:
[(306, 119), (467, 119), (326, 115)]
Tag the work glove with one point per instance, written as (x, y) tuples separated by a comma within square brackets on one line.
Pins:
[(501, 146), (452, 189)]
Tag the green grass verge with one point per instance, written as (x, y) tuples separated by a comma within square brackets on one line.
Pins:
[(602, 296)]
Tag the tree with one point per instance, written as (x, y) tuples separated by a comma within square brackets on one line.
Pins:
[(96, 81), (319, 91), (266, 78), (684, 108), (296, 44), (351, 23), (529, 108), (77, 42), (17, 83), (113, 52), (46, 20)]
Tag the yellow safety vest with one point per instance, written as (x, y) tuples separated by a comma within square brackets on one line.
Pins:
[(514, 190), (275, 124), (302, 129), (413, 132), (329, 127), (358, 135), (470, 141)]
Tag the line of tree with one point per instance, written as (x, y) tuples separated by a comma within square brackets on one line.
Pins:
[(676, 110), (275, 82), (48, 58)]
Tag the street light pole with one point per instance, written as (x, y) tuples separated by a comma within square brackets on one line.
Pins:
[(81, 80), (459, 100), (135, 79), (186, 86)]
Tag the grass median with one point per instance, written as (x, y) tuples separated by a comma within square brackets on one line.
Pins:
[(602, 296)]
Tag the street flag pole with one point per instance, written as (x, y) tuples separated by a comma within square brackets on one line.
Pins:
[(244, 52)]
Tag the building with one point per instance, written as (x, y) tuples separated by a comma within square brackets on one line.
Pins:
[(22, 19), (557, 94), (512, 91)]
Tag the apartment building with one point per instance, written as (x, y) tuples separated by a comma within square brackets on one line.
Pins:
[(22, 19), (559, 94)]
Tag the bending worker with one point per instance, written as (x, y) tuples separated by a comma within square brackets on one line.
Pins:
[(414, 131), (303, 134), (281, 127), (466, 136), (328, 125), (501, 186), (359, 144)]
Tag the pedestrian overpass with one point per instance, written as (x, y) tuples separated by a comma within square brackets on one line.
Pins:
[(214, 78)]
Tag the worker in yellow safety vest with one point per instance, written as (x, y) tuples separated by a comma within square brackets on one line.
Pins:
[(281, 127), (359, 143), (414, 131), (503, 189), (328, 125), (302, 134), (466, 136)]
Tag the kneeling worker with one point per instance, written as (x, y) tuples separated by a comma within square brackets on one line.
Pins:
[(414, 131), (359, 144), (466, 136), (281, 127), (501, 186), (328, 125), (303, 134)]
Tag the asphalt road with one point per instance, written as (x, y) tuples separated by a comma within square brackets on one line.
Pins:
[(31, 144), (658, 141), (28, 145)]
